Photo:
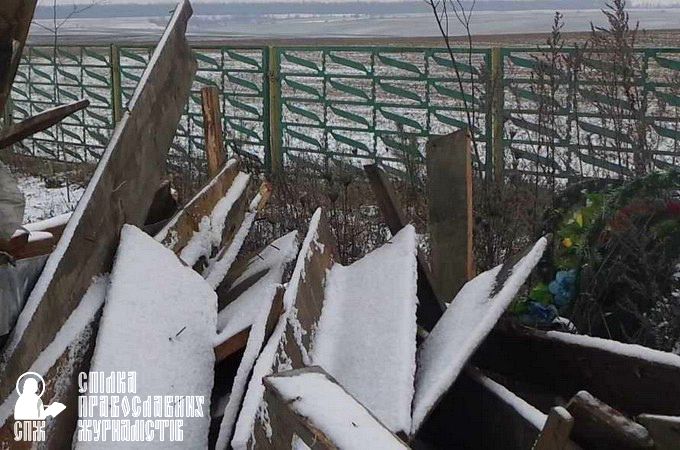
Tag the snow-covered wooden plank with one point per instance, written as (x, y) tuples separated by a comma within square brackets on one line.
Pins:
[(15, 21), (630, 378), (157, 304), (465, 324), (597, 425), (665, 430), (310, 404), (50, 117), (60, 364), (219, 266), (256, 286), (260, 333), (366, 336), (289, 344), (182, 226), (430, 306), (120, 191)]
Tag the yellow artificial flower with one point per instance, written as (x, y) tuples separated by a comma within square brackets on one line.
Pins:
[(567, 242)]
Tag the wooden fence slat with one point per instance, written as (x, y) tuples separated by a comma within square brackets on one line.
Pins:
[(212, 129), (449, 182)]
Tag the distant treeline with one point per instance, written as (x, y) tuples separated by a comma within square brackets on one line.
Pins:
[(308, 7)]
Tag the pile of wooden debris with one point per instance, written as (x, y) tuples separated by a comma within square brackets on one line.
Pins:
[(287, 348)]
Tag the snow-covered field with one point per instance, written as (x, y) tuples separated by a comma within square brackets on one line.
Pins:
[(43, 202)]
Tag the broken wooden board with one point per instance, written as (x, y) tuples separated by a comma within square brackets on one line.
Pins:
[(366, 335), (210, 220), (219, 266), (212, 129), (261, 332), (464, 326), (156, 303), (15, 21), (450, 216), (42, 121), (630, 378), (598, 425), (431, 306), (479, 413), (665, 430), (312, 406), (119, 192), (289, 344), (59, 365)]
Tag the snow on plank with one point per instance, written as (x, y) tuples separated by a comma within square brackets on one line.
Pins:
[(288, 346), (366, 337), (631, 378), (218, 266), (120, 191), (155, 302), (260, 332), (467, 321), (268, 265), (248, 310), (210, 220), (312, 405), (60, 364), (430, 307)]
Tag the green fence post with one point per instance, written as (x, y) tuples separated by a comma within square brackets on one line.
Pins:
[(275, 151), (498, 99), (116, 88)]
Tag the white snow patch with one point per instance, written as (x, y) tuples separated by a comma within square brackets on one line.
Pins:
[(265, 362), (241, 313), (155, 302), (366, 336), (630, 350), (43, 202), (530, 413), (334, 412), (209, 234), (218, 267), (69, 333), (173, 221), (462, 328)]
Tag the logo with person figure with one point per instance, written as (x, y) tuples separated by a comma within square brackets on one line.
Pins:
[(29, 411)]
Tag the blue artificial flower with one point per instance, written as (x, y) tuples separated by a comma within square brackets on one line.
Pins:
[(563, 287), (539, 314)]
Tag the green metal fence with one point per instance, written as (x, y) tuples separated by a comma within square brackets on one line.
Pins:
[(358, 104)]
